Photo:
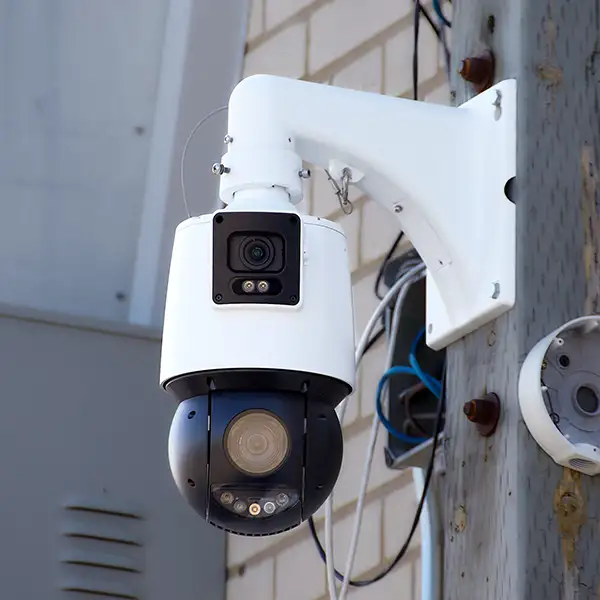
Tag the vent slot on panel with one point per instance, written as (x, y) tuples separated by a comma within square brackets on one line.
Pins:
[(102, 552)]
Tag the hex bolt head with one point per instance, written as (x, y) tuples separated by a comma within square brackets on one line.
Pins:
[(228, 139), (484, 412), (478, 70), (220, 168)]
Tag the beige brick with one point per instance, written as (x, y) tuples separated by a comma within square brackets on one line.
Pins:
[(325, 202), (255, 584), (353, 408), (278, 11), (364, 74), (371, 370), (440, 95), (397, 585), (368, 552), (416, 576), (355, 450), (351, 226), (398, 59), (255, 19), (339, 26), (365, 302), (240, 548), (380, 473), (398, 512), (380, 227), (300, 573), (283, 54)]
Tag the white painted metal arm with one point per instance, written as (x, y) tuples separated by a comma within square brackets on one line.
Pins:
[(441, 170)]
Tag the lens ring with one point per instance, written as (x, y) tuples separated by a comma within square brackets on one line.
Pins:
[(257, 253), (256, 442)]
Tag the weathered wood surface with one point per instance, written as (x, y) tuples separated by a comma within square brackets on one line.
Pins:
[(516, 525)]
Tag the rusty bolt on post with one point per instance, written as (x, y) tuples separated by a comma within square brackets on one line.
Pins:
[(478, 70), (484, 412)]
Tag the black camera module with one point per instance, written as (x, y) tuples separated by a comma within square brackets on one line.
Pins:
[(257, 253), (257, 258)]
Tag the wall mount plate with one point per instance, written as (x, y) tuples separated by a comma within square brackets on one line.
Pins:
[(485, 259)]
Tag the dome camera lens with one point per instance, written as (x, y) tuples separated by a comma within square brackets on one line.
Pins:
[(257, 253), (256, 442)]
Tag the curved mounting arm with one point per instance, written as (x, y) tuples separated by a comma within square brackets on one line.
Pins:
[(441, 170)]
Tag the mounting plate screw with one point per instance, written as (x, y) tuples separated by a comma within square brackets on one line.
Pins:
[(478, 70), (220, 168), (228, 139), (304, 173), (484, 412), (398, 208)]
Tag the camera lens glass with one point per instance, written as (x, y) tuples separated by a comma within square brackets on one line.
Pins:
[(257, 253), (256, 442)]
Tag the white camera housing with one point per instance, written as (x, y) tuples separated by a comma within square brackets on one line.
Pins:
[(314, 336), (559, 394)]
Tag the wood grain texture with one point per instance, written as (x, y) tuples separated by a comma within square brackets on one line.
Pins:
[(517, 526)]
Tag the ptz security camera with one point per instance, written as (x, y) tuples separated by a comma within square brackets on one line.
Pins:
[(258, 348), (258, 340)]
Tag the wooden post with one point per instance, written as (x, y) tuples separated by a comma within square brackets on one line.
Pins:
[(509, 533)]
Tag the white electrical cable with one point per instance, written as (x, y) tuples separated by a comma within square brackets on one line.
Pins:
[(413, 275), (360, 350), (430, 552), (329, 554)]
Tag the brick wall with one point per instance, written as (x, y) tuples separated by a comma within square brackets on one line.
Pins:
[(367, 45)]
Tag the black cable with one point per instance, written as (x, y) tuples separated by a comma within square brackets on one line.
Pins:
[(426, 483), (374, 339), (384, 263), (415, 61), (440, 36), (406, 397), (427, 16), (419, 9)]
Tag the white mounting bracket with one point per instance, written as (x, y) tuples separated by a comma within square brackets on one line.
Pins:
[(442, 171)]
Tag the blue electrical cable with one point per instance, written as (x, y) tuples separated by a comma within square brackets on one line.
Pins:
[(438, 11), (432, 384), (408, 439)]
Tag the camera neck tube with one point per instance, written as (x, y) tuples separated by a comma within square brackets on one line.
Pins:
[(266, 199)]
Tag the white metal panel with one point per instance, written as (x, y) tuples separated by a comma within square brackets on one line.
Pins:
[(78, 94), (78, 83), (88, 501)]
